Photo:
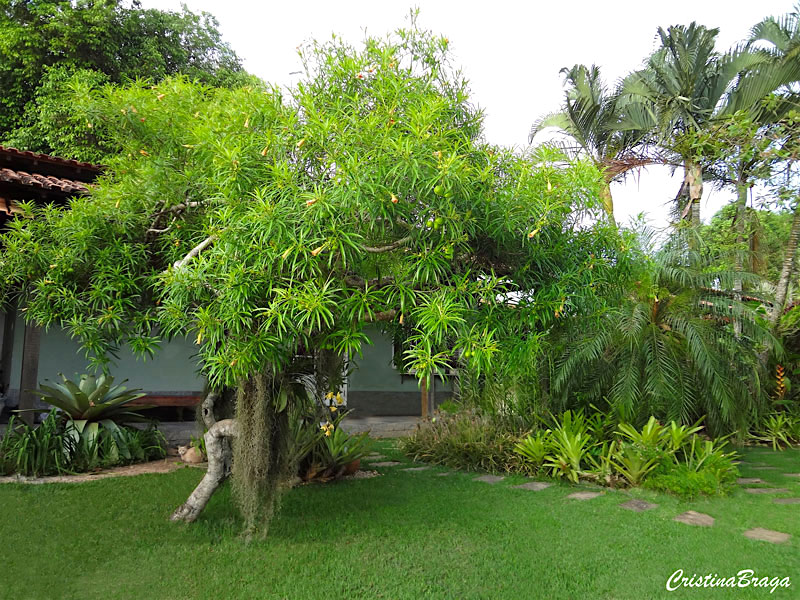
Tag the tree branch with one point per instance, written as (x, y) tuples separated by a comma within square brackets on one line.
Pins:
[(393, 246), (356, 281), (179, 264)]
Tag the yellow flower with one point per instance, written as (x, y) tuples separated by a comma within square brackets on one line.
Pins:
[(329, 396), (333, 409), (339, 398)]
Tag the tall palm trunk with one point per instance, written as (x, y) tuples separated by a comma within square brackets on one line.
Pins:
[(607, 200), (693, 178), (741, 208), (788, 268)]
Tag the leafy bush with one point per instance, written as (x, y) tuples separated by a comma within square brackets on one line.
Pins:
[(92, 399), (780, 430), (578, 447), (667, 347), (36, 451), (467, 441), (56, 447), (320, 448), (686, 483), (94, 408)]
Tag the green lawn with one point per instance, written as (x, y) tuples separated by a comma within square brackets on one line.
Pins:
[(402, 535)]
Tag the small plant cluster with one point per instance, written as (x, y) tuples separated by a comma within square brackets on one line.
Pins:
[(56, 447), (466, 440), (576, 447), (779, 429), (84, 431), (321, 449)]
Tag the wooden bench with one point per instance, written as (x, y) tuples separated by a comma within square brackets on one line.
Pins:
[(173, 400)]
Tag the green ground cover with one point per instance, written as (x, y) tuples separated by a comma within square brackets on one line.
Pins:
[(401, 535)]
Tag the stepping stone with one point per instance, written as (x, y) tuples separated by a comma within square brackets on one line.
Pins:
[(417, 469), (767, 535), (764, 468), (786, 500), (535, 486), (492, 479), (445, 474), (584, 495), (374, 456), (691, 517), (638, 505), (749, 480), (791, 474), (766, 490), (387, 463)]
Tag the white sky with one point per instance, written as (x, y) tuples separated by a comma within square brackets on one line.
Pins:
[(511, 51)]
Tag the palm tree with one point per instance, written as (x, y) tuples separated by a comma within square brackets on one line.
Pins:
[(684, 87), (781, 38), (668, 349), (590, 116)]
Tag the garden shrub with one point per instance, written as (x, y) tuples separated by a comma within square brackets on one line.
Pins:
[(688, 484), (579, 447), (53, 447), (469, 441)]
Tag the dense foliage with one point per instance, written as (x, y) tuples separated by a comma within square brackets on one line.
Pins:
[(50, 47), (268, 226), (57, 446), (576, 447)]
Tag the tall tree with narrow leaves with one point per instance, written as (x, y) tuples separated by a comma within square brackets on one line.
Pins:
[(270, 227)]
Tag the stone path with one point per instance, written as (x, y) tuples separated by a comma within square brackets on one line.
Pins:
[(691, 517), (386, 463), (638, 505), (382, 427), (166, 465), (584, 495), (767, 535), (764, 468), (766, 490), (535, 486), (491, 479)]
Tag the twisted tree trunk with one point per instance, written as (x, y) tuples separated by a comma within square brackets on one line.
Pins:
[(216, 473)]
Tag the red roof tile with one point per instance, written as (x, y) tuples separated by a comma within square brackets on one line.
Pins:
[(49, 159), (48, 182)]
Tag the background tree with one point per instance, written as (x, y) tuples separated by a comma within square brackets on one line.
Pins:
[(112, 39), (591, 116), (272, 228), (684, 86), (667, 348)]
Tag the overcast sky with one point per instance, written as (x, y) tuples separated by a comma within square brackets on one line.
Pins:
[(510, 51)]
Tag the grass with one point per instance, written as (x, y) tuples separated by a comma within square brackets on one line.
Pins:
[(403, 535)]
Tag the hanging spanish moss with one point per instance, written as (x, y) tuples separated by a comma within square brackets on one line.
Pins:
[(260, 459)]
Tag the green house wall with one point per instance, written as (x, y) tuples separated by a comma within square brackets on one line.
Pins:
[(374, 387)]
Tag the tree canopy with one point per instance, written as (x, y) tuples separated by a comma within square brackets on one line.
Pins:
[(44, 42), (269, 226)]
